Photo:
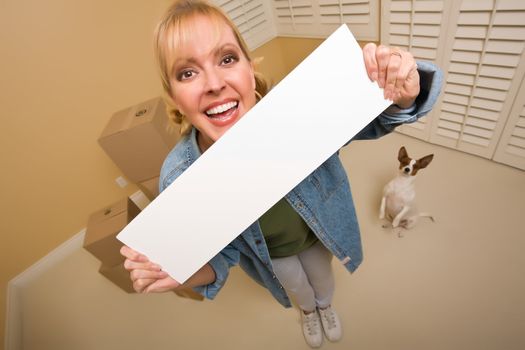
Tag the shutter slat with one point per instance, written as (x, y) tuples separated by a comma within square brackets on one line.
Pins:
[(481, 133), (454, 108), (399, 40), (302, 11), (511, 5), (456, 99), (509, 18), (500, 46), (426, 30), (474, 18), (400, 29), (468, 45), (474, 32), (301, 3), (465, 68), (428, 6), (483, 114), (519, 132), (491, 94), (462, 79), (356, 9), (357, 19), (497, 72), (481, 123), (466, 56), (422, 53), (425, 42), (456, 118), (445, 124), (517, 151), (448, 133), (475, 140), (427, 18), (400, 17), (521, 122), (517, 141), (501, 59), (400, 6), (494, 83), (458, 89), (476, 5), (508, 33)]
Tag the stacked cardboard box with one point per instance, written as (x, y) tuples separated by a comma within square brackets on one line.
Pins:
[(138, 140), (100, 239)]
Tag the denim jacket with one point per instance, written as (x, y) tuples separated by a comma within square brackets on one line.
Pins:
[(323, 199)]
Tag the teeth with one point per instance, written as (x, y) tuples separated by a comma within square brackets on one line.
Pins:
[(222, 108)]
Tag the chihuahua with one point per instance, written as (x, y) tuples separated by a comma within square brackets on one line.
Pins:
[(398, 202)]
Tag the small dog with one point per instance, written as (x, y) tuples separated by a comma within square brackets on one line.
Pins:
[(398, 202)]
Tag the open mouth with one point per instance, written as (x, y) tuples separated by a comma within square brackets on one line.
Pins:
[(222, 112)]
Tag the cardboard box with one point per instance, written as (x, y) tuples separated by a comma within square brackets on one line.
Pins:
[(139, 138), (118, 275), (150, 188), (102, 228)]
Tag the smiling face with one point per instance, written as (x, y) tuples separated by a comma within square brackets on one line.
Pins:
[(212, 82)]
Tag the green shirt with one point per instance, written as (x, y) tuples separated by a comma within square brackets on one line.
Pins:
[(285, 232)]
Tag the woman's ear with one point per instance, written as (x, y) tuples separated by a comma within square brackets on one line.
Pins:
[(174, 103), (254, 64)]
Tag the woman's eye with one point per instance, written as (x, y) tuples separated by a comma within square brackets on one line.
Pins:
[(228, 59), (185, 74)]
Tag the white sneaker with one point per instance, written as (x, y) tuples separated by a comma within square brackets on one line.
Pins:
[(331, 324), (312, 329)]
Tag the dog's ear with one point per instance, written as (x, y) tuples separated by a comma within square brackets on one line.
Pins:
[(402, 154), (423, 162)]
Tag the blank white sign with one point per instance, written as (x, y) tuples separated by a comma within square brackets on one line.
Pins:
[(302, 121)]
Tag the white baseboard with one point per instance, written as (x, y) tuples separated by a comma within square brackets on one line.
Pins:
[(13, 327), (14, 321)]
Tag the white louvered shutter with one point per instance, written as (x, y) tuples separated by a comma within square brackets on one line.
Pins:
[(253, 18), (419, 27), (511, 148), (484, 71), (362, 17), (294, 17), (319, 18)]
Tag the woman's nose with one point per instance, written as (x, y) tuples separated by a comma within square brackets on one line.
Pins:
[(214, 81)]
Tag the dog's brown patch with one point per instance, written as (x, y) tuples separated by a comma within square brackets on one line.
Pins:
[(403, 157)]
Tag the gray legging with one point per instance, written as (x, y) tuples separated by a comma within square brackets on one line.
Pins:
[(307, 277)]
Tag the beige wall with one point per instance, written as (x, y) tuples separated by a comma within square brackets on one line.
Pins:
[(66, 67)]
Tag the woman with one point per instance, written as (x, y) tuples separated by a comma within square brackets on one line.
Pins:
[(210, 83)]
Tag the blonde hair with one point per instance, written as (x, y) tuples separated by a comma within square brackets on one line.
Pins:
[(173, 30)]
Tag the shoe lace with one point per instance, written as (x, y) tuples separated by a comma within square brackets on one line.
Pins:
[(311, 324), (329, 316)]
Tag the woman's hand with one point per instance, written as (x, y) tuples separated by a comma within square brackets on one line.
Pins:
[(395, 71), (146, 276)]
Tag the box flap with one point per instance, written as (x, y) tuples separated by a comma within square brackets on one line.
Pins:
[(109, 211), (131, 117), (143, 112)]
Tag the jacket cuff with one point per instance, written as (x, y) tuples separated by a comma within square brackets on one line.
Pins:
[(221, 268), (430, 82)]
